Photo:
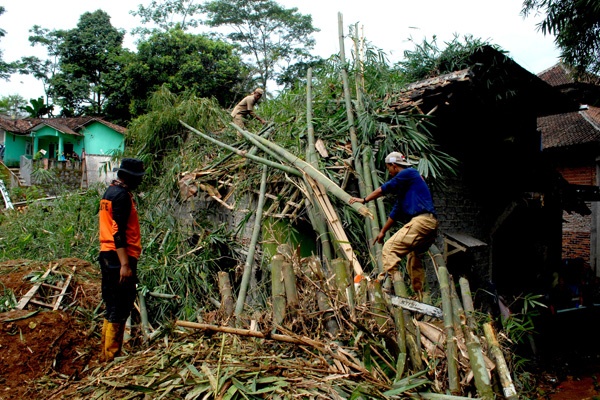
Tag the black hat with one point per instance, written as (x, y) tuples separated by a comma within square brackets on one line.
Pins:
[(131, 166)]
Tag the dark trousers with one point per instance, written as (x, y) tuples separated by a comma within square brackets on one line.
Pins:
[(118, 297)]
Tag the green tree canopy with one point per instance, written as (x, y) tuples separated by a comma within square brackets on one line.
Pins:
[(88, 55), (183, 62), (576, 26), (166, 15), (272, 36), (5, 68)]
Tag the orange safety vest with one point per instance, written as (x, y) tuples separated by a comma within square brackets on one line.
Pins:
[(109, 227)]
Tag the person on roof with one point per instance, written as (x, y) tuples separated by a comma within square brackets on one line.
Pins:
[(245, 108), (413, 205), (120, 249)]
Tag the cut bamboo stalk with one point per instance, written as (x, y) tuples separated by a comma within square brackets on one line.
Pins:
[(278, 288), (255, 233), (451, 351), (144, 316), (374, 223), (378, 304), (328, 316), (335, 225), (508, 388), (379, 202), (344, 283), (476, 358), (239, 152), (227, 302), (289, 280), (467, 298), (314, 173)]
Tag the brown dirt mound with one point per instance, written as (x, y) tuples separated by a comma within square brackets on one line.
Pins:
[(51, 345)]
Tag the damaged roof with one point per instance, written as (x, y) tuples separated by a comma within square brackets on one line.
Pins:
[(492, 76), (70, 126)]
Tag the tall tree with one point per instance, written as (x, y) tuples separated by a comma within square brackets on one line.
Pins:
[(576, 27), (183, 62), (37, 108), (43, 69), (166, 15), (272, 36), (88, 55)]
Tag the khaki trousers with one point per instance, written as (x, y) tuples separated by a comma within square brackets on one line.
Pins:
[(413, 239), (238, 119)]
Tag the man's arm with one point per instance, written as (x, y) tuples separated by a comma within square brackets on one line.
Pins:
[(388, 224)]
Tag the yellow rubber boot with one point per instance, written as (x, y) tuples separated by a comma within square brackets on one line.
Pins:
[(103, 340), (113, 340)]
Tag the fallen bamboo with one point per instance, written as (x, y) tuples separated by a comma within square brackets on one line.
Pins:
[(144, 316), (314, 173), (508, 388), (255, 233), (274, 336), (372, 224), (239, 152)]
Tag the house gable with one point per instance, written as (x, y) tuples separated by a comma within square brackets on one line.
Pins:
[(102, 139)]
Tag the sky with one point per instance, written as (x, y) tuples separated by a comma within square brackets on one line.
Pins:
[(390, 25)]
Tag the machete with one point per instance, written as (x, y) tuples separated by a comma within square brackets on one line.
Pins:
[(416, 306)]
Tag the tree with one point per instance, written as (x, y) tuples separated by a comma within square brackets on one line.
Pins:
[(38, 108), (163, 14), (12, 105), (269, 34), (40, 69), (183, 62), (88, 56), (576, 26)]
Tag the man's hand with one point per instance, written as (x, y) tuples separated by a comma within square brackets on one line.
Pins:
[(126, 273), (379, 238), (263, 121), (356, 200)]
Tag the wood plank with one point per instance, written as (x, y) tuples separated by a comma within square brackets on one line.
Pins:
[(28, 296)]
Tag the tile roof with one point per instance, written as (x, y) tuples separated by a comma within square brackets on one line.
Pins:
[(568, 129), (557, 75), (71, 126)]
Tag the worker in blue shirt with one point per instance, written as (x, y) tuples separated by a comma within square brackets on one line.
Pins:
[(414, 205)]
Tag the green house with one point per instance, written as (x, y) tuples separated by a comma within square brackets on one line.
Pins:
[(52, 137)]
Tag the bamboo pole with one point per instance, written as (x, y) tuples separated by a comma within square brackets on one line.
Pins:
[(378, 304), (239, 152), (318, 223), (349, 112), (374, 223), (144, 316), (379, 202), (451, 350), (410, 334), (278, 289), (255, 233), (508, 388), (344, 283), (227, 302), (289, 281), (476, 358), (314, 173), (465, 291)]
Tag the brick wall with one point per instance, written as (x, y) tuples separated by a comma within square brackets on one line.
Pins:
[(577, 228)]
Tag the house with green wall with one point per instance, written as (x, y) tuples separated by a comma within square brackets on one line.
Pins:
[(55, 136)]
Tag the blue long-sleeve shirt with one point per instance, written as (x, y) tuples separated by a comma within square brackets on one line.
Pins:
[(412, 195)]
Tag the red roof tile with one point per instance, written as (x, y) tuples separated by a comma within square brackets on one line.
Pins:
[(570, 129), (70, 126)]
